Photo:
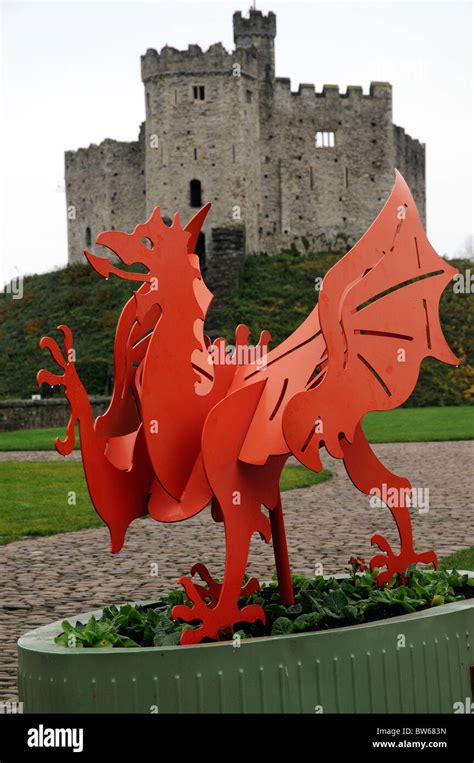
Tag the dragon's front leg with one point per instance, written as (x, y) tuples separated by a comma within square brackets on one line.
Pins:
[(75, 392), (119, 496)]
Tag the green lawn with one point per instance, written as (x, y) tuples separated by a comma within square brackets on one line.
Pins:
[(32, 439), (400, 425), (460, 560), (38, 497), (420, 424)]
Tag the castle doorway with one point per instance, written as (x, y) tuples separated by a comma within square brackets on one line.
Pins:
[(201, 251)]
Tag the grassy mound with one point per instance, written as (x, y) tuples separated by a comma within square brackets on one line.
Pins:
[(275, 293)]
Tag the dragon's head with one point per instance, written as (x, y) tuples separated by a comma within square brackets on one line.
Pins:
[(166, 252)]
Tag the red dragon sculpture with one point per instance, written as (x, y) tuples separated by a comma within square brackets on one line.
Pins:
[(184, 430)]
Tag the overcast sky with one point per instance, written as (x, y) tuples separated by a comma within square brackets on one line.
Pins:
[(71, 77)]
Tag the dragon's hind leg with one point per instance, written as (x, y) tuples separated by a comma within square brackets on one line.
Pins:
[(219, 617), (370, 476), (239, 489)]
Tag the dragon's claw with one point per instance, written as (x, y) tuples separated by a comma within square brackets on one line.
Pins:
[(427, 557), (67, 333), (250, 587), (217, 624), (48, 343), (218, 620), (60, 357), (213, 589), (381, 542), (397, 563), (46, 377)]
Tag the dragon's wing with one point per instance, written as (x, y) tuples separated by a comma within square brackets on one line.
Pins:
[(378, 309), (295, 365)]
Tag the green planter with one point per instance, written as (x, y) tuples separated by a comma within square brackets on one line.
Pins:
[(413, 664)]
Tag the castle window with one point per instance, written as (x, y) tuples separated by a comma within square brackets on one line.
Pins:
[(346, 177), (195, 193), (325, 139), (195, 153), (248, 96), (198, 92), (88, 236)]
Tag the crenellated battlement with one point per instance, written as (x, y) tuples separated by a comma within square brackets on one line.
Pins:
[(376, 90), (403, 136), (194, 59), (256, 25), (95, 153)]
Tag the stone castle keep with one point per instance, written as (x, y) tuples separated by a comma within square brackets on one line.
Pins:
[(282, 169)]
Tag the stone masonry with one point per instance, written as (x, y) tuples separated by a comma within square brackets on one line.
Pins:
[(36, 414), (289, 169)]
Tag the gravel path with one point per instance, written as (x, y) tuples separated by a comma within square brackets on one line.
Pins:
[(46, 579), (37, 455)]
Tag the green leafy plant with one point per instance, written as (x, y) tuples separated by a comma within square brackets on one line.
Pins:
[(320, 604)]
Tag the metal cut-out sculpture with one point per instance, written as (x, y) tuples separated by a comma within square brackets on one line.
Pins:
[(185, 430)]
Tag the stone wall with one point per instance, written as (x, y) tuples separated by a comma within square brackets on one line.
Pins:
[(37, 414), (105, 190), (224, 270), (410, 161)]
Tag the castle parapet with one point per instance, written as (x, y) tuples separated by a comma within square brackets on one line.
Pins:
[(307, 90), (256, 25), (194, 60)]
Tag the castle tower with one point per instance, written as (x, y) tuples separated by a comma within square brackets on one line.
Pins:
[(257, 31), (202, 137)]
